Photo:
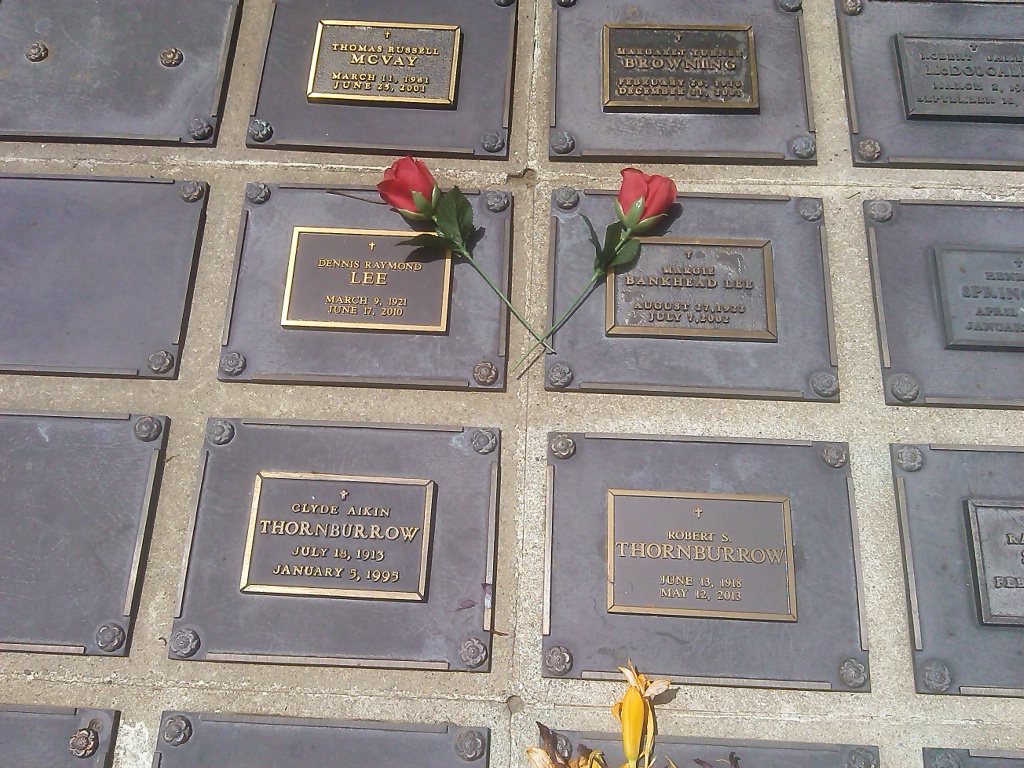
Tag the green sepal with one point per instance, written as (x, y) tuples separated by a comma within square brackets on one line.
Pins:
[(423, 206), (631, 218), (644, 224)]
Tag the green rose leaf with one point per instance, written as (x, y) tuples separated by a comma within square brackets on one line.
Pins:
[(627, 255), (463, 214), (427, 240), (447, 218)]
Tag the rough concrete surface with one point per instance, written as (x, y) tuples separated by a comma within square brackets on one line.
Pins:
[(513, 695)]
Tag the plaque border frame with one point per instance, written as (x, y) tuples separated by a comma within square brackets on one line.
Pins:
[(939, 251), (288, 322), (898, 41), (612, 328), (249, 587), (985, 615), (702, 613), (317, 96), (698, 106)]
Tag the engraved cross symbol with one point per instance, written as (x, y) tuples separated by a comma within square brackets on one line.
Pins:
[(698, 511), (372, 245), (343, 493), (387, 33)]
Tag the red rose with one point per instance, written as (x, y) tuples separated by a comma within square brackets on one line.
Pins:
[(644, 199), (409, 187)]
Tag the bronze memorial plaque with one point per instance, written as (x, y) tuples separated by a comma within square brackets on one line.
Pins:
[(364, 279), (385, 62), (666, 67), (324, 535), (695, 289), (982, 293), (700, 554), (962, 78), (997, 536)]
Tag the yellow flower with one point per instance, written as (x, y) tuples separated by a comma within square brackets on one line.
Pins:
[(539, 758), (635, 713)]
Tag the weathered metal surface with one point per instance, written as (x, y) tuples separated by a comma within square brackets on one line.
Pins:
[(383, 555), (683, 751), (355, 307), (785, 619), (664, 68), (386, 63), (76, 495), (934, 84), (193, 739), (972, 758), (727, 83), (742, 543), (961, 641), (967, 79), (114, 70), (997, 536), (96, 274), (729, 296), (365, 279), (51, 737), (947, 296), (456, 102)]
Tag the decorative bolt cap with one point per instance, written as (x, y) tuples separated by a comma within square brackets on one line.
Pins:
[(790, 5), (558, 660), (497, 201), (945, 759), (567, 198), (147, 429), (804, 147), (904, 388), (185, 643), (835, 455), (853, 674), (257, 192), (492, 142), (171, 57), (470, 745), (935, 675), (110, 637), (200, 129), (566, 3), (176, 731), (191, 191), (161, 361), (861, 758), (37, 52), (473, 653), (880, 210), (84, 742), (825, 384), (232, 364), (485, 373), (560, 375), (220, 432), (909, 458), (851, 7), (869, 150), (811, 210), (563, 747), (484, 441), (563, 142), (504, 3), (260, 130), (563, 447)]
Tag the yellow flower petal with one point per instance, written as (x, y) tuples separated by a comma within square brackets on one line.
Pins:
[(633, 715), (539, 758)]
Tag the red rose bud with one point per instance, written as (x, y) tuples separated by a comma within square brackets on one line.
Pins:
[(644, 199), (409, 187)]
